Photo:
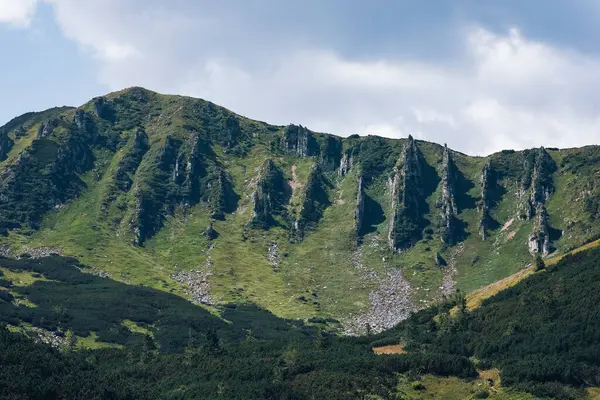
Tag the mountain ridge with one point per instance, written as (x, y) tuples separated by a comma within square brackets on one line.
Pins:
[(145, 187)]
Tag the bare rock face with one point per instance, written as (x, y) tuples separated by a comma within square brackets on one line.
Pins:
[(269, 196), (447, 200), (485, 202), (298, 140), (539, 240), (85, 124), (407, 199), (179, 171), (315, 201), (102, 107), (537, 184), (137, 222), (345, 164), (273, 256), (195, 170), (390, 304), (47, 128), (360, 208)]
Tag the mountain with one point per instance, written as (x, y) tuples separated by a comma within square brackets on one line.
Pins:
[(184, 196)]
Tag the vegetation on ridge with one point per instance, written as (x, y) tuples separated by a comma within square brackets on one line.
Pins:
[(137, 207)]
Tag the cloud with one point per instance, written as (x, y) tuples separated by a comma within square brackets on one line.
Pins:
[(17, 13), (502, 90)]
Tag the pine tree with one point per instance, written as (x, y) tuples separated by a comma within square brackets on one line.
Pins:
[(539, 262)]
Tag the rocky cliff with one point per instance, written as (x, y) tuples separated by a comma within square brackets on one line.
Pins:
[(270, 195), (299, 141), (131, 180), (486, 183), (536, 184), (359, 214), (447, 200), (539, 240), (407, 208), (316, 199)]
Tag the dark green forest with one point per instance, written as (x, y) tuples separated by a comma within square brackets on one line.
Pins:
[(246, 354), (543, 335)]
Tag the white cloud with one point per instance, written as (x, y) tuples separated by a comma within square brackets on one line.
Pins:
[(509, 92), (17, 13)]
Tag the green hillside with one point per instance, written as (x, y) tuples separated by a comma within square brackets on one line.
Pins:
[(96, 338), (184, 196), (541, 334), (72, 335)]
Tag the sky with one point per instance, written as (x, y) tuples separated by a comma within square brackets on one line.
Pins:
[(481, 76)]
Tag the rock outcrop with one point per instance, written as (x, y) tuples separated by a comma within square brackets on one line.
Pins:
[(153, 192), (102, 108), (537, 184), (299, 141), (345, 163), (485, 217), (407, 205), (131, 161), (269, 196), (360, 208), (45, 175), (447, 200), (539, 240), (181, 173), (195, 169), (439, 260), (219, 194), (46, 128), (315, 201), (20, 132), (331, 154), (210, 232)]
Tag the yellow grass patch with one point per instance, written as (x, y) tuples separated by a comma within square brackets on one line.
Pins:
[(594, 393), (392, 349)]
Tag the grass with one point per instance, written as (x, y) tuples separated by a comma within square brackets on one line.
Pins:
[(321, 264), (476, 298), (391, 349), (316, 276), (135, 328), (434, 387), (91, 342), (594, 393), (21, 278), (20, 144)]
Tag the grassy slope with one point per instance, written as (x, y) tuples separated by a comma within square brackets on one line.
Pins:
[(322, 263), (433, 387)]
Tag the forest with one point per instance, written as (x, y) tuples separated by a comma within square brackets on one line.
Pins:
[(542, 335)]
